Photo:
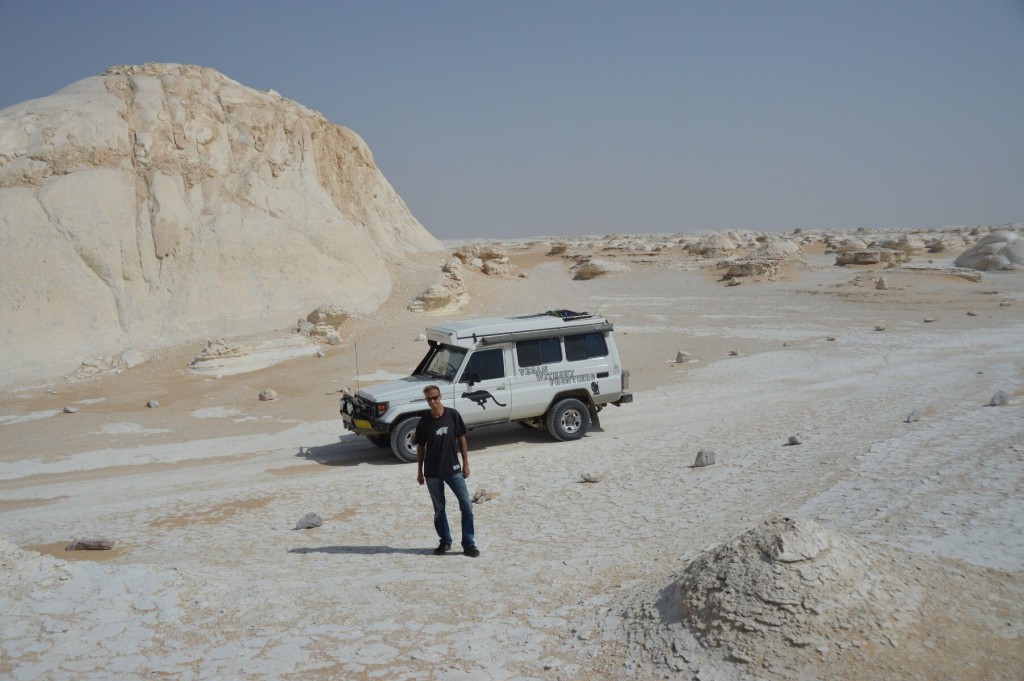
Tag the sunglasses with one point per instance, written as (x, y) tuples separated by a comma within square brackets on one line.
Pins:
[(433, 398)]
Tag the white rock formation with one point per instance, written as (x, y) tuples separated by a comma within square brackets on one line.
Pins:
[(164, 202), (997, 251), (778, 249), (595, 267)]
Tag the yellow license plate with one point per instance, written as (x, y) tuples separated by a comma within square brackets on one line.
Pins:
[(360, 423)]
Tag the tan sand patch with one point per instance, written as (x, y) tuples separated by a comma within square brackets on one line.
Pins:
[(212, 515), (18, 504)]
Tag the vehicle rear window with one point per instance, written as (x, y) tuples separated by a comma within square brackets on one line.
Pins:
[(585, 346), (533, 353)]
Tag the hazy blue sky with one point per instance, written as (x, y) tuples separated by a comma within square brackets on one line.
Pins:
[(542, 118)]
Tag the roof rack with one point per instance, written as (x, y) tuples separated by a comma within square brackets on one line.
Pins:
[(492, 339)]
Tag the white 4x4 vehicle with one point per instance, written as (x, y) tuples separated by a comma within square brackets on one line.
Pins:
[(553, 370)]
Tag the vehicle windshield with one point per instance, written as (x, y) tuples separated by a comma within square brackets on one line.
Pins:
[(443, 361)]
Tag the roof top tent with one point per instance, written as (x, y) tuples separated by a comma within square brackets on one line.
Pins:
[(492, 330)]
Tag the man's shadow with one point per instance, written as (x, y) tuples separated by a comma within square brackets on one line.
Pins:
[(359, 550)]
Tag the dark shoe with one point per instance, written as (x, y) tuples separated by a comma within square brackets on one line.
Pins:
[(442, 548), (471, 551)]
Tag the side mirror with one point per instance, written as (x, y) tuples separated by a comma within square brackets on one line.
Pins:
[(471, 379)]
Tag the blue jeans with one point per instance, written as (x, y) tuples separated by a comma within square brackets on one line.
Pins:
[(458, 484)]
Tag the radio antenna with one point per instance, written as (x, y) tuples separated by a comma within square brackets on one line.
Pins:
[(355, 344)]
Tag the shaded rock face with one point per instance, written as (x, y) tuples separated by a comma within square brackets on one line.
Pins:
[(163, 202), (997, 251)]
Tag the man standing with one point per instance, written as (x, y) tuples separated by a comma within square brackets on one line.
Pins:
[(440, 437)]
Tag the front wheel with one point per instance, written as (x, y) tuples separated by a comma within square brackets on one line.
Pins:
[(402, 436), (569, 419)]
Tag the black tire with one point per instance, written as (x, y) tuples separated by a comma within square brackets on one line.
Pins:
[(401, 439), (380, 440), (569, 419)]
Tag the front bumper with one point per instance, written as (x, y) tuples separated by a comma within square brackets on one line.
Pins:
[(357, 415)]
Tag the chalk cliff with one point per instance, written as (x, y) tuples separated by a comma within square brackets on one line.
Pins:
[(158, 203)]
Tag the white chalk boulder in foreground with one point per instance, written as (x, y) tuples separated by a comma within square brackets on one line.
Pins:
[(787, 589), (996, 251), (160, 203)]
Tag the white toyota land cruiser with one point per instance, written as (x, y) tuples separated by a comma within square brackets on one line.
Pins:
[(553, 370)]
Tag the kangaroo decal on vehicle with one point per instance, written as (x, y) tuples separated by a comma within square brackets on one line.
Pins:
[(481, 396)]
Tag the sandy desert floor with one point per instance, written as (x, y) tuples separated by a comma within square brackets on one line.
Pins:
[(209, 580)]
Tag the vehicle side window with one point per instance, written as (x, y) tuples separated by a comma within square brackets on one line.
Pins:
[(533, 353), (485, 364), (585, 346)]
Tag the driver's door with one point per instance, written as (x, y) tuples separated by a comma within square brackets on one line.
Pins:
[(482, 392)]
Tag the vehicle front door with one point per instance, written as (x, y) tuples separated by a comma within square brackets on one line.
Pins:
[(482, 393)]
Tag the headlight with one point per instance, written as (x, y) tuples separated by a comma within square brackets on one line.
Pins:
[(347, 407), (381, 408)]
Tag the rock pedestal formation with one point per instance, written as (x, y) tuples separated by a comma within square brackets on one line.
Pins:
[(159, 203)]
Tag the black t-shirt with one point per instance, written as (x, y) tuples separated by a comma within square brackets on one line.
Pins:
[(440, 440)]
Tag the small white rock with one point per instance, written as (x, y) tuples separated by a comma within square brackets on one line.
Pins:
[(267, 395), (70, 410), (705, 457), (309, 521), (153, 404)]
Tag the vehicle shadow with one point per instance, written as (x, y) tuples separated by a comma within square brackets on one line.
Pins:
[(510, 434), (360, 550), (348, 451), (352, 450)]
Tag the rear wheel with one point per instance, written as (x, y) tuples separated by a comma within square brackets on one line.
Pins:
[(380, 440), (569, 419), (402, 436)]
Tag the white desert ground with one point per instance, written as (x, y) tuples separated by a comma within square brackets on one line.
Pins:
[(888, 544)]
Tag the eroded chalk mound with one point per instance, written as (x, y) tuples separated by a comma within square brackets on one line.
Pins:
[(788, 589), (997, 251)]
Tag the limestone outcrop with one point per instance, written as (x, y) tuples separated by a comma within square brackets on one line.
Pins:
[(164, 202), (1002, 250)]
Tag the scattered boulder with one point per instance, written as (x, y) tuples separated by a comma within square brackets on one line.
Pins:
[(683, 357), (777, 249), (796, 439), (450, 294), (331, 315), (590, 476), (481, 495), (879, 327), (594, 267), (913, 416), (70, 410), (996, 251), (999, 399), (871, 256), (309, 521), (268, 395), (705, 457), (90, 545), (713, 245), (882, 284), (132, 358), (751, 267), (153, 404)]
